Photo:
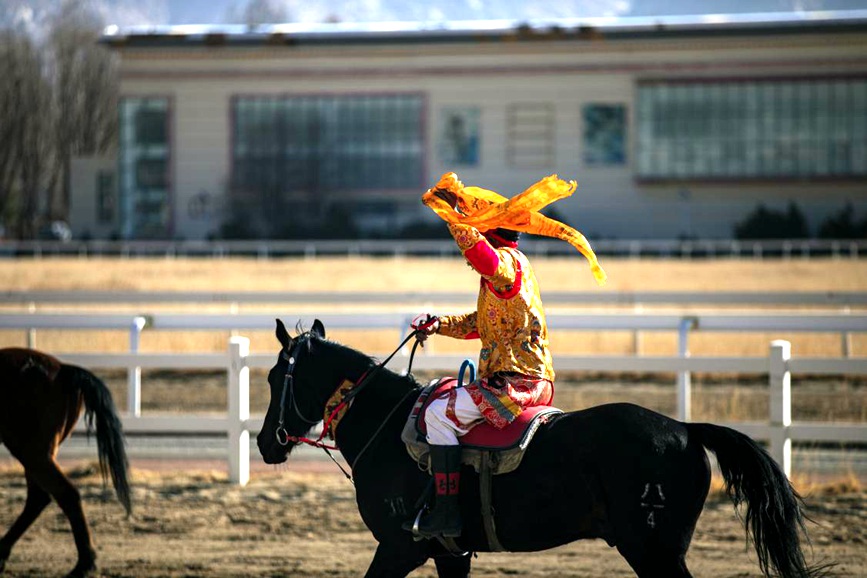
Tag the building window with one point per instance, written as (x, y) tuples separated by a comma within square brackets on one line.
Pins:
[(743, 129), (143, 173), (312, 144), (459, 135), (531, 131), (604, 134), (150, 173), (105, 197)]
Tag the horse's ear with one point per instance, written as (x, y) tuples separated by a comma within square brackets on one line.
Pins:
[(283, 335), (318, 329)]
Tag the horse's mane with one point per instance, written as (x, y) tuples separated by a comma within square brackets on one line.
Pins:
[(349, 356)]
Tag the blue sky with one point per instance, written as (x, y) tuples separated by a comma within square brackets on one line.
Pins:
[(160, 12)]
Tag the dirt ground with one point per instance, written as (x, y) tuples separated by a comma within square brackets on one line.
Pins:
[(301, 521)]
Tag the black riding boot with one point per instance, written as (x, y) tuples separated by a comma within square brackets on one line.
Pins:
[(445, 518)]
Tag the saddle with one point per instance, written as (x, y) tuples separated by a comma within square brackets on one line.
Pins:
[(490, 451), (503, 449)]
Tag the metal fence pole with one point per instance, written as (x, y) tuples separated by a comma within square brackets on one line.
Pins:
[(780, 383), (239, 410), (133, 387)]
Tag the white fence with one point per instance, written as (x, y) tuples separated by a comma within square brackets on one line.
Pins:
[(842, 323), (813, 299), (265, 248), (779, 430), (237, 425)]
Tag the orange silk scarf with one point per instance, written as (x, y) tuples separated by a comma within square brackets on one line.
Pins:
[(486, 210)]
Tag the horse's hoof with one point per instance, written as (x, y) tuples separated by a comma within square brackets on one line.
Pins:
[(2, 564)]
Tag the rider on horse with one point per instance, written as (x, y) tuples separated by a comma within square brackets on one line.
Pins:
[(515, 366)]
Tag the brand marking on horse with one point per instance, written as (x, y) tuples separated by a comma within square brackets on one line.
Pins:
[(650, 502), (396, 506)]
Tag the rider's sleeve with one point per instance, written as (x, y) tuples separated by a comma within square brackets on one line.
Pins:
[(496, 266), (459, 326)]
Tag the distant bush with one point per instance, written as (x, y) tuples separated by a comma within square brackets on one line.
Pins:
[(843, 225), (765, 223)]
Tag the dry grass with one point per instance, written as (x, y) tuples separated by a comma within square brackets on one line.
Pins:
[(412, 274)]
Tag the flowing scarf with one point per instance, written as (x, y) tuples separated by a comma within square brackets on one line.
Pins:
[(486, 210)]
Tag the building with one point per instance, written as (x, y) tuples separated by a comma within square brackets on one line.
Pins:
[(673, 127)]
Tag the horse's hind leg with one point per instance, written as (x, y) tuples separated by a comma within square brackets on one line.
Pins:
[(37, 499), (52, 480), (655, 562)]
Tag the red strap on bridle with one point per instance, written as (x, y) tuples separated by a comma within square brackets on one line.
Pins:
[(326, 426)]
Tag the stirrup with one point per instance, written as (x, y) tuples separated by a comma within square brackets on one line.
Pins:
[(416, 534)]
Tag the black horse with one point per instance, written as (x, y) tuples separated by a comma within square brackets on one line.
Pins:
[(628, 475)]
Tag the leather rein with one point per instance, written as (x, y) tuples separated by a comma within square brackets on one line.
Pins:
[(291, 357)]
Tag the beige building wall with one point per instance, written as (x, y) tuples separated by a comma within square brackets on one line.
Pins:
[(610, 201)]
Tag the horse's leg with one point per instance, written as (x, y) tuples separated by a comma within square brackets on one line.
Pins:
[(453, 566), (396, 560), (52, 480), (37, 499), (655, 560)]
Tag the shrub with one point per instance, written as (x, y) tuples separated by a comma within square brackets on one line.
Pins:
[(765, 223), (843, 225)]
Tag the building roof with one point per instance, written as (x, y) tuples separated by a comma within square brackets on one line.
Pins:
[(488, 30)]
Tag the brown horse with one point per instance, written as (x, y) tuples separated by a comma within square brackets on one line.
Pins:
[(41, 400)]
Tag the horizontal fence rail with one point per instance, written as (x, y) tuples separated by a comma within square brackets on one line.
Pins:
[(779, 431), (265, 248), (843, 323), (575, 298)]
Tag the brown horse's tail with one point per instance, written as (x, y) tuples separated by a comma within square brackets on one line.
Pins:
[(99, 408)]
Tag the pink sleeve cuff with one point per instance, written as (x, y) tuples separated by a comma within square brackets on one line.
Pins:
[(483, 258)]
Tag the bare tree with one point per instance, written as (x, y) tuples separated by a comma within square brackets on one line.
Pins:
[(57, 100), (24, 137), (85, 92)]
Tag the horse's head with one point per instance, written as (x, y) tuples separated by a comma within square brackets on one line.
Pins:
[(296, 402)]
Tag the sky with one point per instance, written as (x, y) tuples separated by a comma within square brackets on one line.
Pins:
[(174, 12)]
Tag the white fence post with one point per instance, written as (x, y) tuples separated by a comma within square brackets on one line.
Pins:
[(684, 379), (239, 410), (133, 387), (780, 382)]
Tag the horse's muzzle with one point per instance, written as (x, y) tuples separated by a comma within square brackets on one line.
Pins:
[(271, 451)]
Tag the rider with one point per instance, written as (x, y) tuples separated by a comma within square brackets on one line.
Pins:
[(515, 367)]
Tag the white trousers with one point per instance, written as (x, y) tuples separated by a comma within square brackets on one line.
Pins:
[(441, 431)]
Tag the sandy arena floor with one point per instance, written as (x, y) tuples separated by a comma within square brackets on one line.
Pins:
[(302, 522)]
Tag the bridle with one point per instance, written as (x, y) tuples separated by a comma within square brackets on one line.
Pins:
[(291, 357), (283, 437)]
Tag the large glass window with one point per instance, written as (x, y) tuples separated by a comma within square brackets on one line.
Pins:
[(752, 129), (144, 168), (604, 134), (327, 143)]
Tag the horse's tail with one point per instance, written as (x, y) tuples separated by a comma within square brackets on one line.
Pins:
[(773, 514), (99, 408)]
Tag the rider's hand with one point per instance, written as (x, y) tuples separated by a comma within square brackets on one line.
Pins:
[(426, 324), (448, 196)]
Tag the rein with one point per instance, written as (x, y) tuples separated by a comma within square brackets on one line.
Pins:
[(283, 437)]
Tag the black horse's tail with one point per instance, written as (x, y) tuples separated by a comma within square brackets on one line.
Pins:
[(99, 408), (773, 514)]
